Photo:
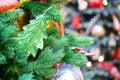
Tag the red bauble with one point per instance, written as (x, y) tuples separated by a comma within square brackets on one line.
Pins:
[(117, 53), (100, 65), (115, 73), (95, 3), (105, 65), (76, 22), (8, 4), (42, 0), (109, 66)]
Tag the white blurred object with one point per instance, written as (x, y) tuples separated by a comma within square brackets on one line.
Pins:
[(67, 75), (105, 2), (98, 31), (82, 5), (89, 64), (101, 58), (67, 72), (112, 41)]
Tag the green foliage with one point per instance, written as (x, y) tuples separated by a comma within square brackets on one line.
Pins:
[(74, 58), (31, 38), (53, 31), (9, 18), (8, 31), (34, 51), (70, 40), (46, 58), (34, 7), (43, 66), (2, 59), (26, 77), (8, 48), (55, 1), (8, 22), (67, 42), (37, 8), (54, 14)]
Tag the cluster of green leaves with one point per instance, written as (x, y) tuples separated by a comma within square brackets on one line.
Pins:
[(8, 31), (54, 53), (35, 8), (55, 1), (33, 34), (34, 51), (2, 59)]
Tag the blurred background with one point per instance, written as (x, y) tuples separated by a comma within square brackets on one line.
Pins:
[(99, 19)]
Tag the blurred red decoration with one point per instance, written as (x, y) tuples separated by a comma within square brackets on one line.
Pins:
[(116, 53), (42, 0), (110, 68), (60, 26), (76, 22), (114, 72), (105, 65), (95, 3), (8, 4)]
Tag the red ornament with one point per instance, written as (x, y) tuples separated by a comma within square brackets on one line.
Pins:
[(8, 4), (42, 1), (100, 65), (113, 53), (76, 22), (116, 53), (115, 73), (60, 26), (111, 69), (109, 66), (95, 3), (105, 65)]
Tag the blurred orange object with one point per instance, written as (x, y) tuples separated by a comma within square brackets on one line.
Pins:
[(60, 26), (8, 5)]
